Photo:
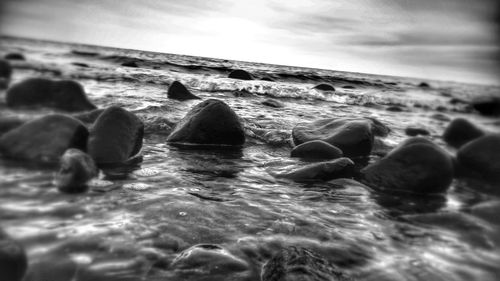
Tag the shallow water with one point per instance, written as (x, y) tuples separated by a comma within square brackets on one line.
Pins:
[(135, 221)]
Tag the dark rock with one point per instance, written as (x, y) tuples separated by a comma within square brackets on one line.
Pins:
[(457, 101), (487, 106), (300, 264), (272, 103), (460, 131), (13, 260), (394, 108), (424, 85), (178, 91), (240, 74), (349, 87), (211, 122), (66, 95), (414, 131), (8, 123), (480, 158), (80, 64), (324, 87), (115, 137), (440, 117), (45, 139), (5, 69), (267, 79), (130, 64), (76, 169), (334, 169), (316, 149), (417, 165), (353, 136), (209, 260), (84, 53), (14, 56)]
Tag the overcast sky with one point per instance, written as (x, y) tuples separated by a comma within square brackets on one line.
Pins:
[(438, 39)]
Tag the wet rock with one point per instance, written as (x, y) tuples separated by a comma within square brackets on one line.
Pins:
[(14, 56), (240, 74), (89, 117), (460, 131), (394, 108), (84, 53), (440, 117), (480, 158), (324, 87), (5, 73), (81, 64), (8, 123), (178, 91), (415, 131), (316, 149), (349, 87), (272, 103), (45, 139), (353, 136), (209, 259), (76, 169), (297, 263), (267, 79), (115, 137), (211, 122), (487, 106), (417, 165), (424, 85), (130, 64), (66, 95), (13, 260), (338, 168)]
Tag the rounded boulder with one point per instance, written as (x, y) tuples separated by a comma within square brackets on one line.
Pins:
[(324, 87), (480, 158), (13, 260), (316, 149), (461, 131), (240, 74), (76, 169), (178, 91), (329, 170)]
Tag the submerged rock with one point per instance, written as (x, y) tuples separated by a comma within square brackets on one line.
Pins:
[(338, 168), (211, 122), (487, 106), (480, 158), (115, 137), (14, 56), (179, 92), (424, 85), (324, 87), (66, 95), (460, 131), (45, 139), (316, 149), (240, 74), (76, 169), (300, 264), (354, 136), (13, 260), (417, 165)]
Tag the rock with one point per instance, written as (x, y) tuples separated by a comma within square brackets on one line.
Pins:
[(417, 165), (13, 260), (5, 70), (460, 131), (208, 259), (84, 53), (8, 123), (424, 85), (300, 264), (240, 74), (66, 95), (76, 169), (480, 158), (211, 122), (338, 168), (267, 79), (349, 87), (394, 108), (489, 106), (14, 56), (130, 64), (81, 64), (272, 103), (44, 140), (415, 131), (178, 91), (115, 137), (324, 87), (354, 136), (316, 149)]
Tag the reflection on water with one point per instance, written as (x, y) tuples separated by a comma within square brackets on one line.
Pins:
[(146, 220)]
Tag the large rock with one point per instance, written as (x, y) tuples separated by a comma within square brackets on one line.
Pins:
[(115, 137), (354, 136), (179, 92), (8, 123), (300, 264), (76, 169), (480, 158), (460, 131), (316, 149), (240, 74), (334, 169), (45, 139), (211, 122), (489, 106), (5, 69), (417, 165), (66, 95), (13, 260)]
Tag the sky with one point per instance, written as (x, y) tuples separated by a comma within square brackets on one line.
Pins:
[(454, 40)]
